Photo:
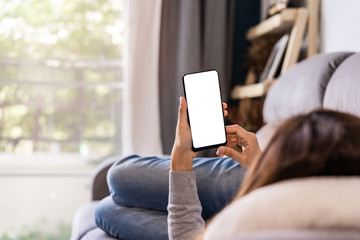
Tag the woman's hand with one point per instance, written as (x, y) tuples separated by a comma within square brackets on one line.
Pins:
[(182, 155), (242, 146)]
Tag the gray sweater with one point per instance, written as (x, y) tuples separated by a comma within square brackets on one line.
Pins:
[(184, 218)]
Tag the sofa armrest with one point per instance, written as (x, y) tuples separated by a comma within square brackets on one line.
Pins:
[(99, 185)]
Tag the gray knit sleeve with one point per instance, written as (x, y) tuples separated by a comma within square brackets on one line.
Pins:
[(184, 218)]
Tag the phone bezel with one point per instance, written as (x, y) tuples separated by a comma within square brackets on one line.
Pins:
[(223, 117)]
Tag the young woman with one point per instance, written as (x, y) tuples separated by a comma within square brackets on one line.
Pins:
[(321, 143)]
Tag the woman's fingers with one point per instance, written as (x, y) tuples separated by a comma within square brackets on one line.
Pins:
[(242, 145), (232, 139), (238, 133), (236, 129), (224, 105)]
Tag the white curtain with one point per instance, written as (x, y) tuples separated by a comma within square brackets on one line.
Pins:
[(141, 119)]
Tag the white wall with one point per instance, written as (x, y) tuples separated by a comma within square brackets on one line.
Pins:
[(340, 25), (41, 192)]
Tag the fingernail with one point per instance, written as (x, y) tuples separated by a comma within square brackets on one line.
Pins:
[(220, 151)]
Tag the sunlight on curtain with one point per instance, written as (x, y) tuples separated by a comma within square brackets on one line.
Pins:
[(141, 127)]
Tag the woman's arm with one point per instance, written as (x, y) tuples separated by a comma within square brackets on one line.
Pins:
[(184, 218)]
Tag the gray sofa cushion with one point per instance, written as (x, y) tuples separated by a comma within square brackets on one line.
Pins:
[(297, 234), (314, 203), (265, 133), (84, 220), (97, 234), (343, 90), (84, 226), (308, 79), (99, 185)]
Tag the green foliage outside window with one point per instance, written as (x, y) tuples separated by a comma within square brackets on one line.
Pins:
[(60, 76), (63, 233)]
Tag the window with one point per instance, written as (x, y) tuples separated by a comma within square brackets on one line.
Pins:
[(61, 76)]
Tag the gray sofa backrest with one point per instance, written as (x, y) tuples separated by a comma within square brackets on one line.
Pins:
[(302, 88), (343, 90)]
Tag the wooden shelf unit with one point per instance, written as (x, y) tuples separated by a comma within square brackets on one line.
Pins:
[(289, 20), (280, 23), (251, 90)]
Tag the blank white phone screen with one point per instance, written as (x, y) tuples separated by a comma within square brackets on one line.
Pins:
[(205, 108)]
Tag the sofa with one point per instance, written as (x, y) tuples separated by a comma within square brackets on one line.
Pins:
[(330, 80)]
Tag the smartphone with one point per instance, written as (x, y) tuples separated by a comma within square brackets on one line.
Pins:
[(205, 111)]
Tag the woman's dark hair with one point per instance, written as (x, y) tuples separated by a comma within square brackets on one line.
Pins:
[(320, 143)]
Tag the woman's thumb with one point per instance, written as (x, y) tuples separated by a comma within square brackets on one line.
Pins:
[(225, 151), (182, 109)]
